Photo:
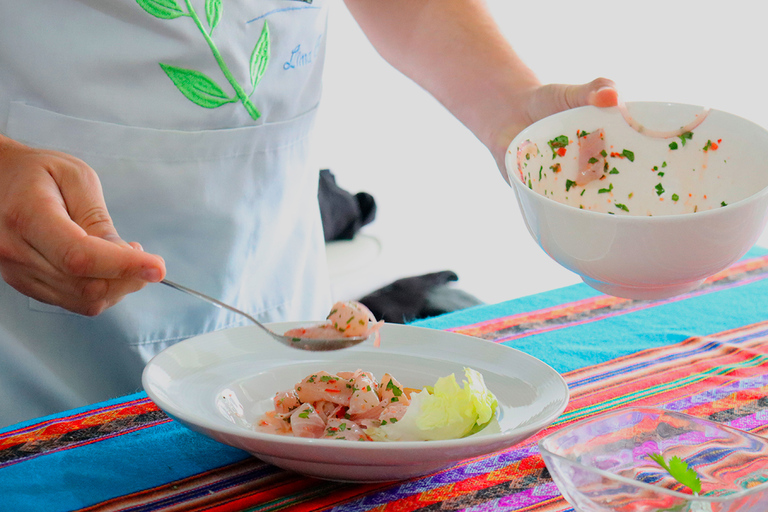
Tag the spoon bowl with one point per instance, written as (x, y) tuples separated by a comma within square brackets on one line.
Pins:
[(310, 344)]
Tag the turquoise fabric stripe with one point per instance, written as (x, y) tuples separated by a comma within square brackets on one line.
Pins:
[(590, 343)]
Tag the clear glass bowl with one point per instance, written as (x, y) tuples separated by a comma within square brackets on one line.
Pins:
[(602, 464)]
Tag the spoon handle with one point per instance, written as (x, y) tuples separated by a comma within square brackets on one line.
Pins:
[(213, 301)]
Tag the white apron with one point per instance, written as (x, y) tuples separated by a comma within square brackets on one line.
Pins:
[(195, 114)]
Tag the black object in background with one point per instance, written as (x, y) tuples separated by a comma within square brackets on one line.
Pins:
[(414, 298), (343, 213)]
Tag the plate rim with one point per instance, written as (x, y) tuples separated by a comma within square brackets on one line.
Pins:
[(194, 422)]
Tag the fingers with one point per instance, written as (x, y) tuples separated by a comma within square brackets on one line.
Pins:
[(57, 241), (600, 92), (84, 296)]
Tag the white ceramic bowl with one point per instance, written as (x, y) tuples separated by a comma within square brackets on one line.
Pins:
[(661, 220), (221, 383)]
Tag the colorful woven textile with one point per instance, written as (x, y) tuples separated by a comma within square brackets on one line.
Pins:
[(705, 353)]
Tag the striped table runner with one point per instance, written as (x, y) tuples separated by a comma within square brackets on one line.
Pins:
[(721, 376)]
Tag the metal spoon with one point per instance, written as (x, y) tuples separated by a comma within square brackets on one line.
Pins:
[(315, 345)]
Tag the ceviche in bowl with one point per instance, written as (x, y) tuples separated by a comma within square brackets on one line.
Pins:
[(645, 200), (466, 397)]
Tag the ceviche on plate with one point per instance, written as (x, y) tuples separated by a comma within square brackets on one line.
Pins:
[(354, 405), (223, 384)]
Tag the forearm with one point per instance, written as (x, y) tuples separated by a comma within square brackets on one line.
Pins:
[(455, 51)]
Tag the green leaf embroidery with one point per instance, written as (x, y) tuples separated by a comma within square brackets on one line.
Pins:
[(197, 87), (213, 13), (164, 9), (252, 110), (260, 57)]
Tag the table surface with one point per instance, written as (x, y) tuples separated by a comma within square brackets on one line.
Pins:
[(704, 353)]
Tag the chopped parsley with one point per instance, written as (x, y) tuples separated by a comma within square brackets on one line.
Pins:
[(629, 154), (592, 160), (613, 171), (673, 146), (569, 184), (659, 189), (675, 197)]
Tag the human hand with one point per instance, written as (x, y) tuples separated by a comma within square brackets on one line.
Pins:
[(544, 100), (57, 241)]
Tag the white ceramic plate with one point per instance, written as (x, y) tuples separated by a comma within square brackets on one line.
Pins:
[(220, 383)]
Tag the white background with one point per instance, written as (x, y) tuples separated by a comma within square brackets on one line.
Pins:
[(442, 204)]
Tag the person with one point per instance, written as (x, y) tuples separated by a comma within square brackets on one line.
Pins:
[(139, 137)]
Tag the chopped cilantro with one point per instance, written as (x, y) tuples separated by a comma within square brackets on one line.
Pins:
[(673, 145), (659, 189), (569, 184), (680, 471), (686, 137), (661, 174), (605, 190), (613, 171), (664, 164), (604, 153), (592, 160), (723, 203), (621, 206), (395, 390), (629, 154), (675, 197), (558, 142)]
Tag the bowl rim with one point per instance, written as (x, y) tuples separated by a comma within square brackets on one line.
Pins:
[(520, 186), (612, 476)]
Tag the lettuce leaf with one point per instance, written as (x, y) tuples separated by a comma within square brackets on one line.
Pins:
[(447, 410)]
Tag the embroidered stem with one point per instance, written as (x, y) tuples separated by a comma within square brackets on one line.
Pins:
[(247, 103)]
